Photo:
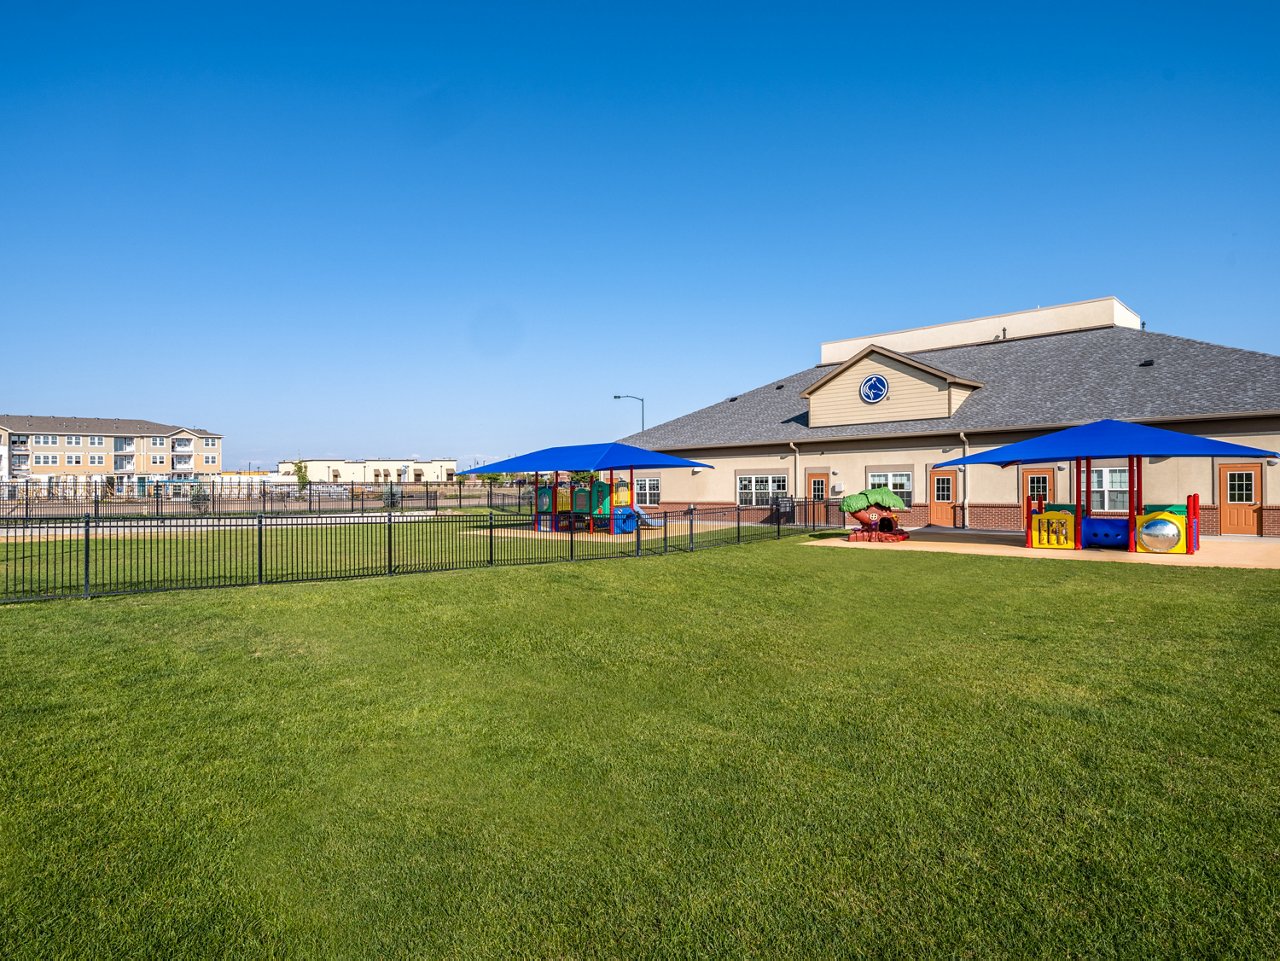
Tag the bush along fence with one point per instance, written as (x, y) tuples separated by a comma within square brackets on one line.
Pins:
[(46, 558), (73, 498)]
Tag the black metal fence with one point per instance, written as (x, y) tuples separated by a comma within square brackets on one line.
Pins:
[(44, 558), (75, 497)]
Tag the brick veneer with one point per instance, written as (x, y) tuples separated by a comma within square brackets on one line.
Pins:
[(1270, 521)]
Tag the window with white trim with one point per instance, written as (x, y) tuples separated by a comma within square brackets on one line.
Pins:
[(211, 442), (760, 489), (648, 491), (95, 441), (74, 460), (71, 440), (45, 440), (157, 442), (97, 460), (157, 459), (1110, 489), (897, 481), (45, 460), (213, 459)]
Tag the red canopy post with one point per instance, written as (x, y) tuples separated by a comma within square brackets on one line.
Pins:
[(612, 526), (1142, 501), (1079, 504), (1133, 504)]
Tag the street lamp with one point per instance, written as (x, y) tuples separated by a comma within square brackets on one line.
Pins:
[(633, 397)]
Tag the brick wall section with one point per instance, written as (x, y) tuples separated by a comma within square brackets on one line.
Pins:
[(1210, 521), (994, 517), (1270, 521)]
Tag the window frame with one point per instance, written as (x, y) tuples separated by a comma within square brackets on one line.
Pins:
[(648, 491), (892, 477), (761, 494), (1105, 496)]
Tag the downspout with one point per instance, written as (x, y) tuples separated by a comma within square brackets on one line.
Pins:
[(964, 503), (795, 468)]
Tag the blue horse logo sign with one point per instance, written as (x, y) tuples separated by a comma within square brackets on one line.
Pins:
[(874, 388)]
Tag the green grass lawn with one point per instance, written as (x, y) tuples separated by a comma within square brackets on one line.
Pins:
[(724, 753)]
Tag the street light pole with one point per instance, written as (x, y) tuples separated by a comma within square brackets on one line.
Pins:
[(633, 397)]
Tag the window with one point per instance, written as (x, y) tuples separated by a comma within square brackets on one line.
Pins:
[(211, 442), (1038, 486), (97, 460), (897, 481), (45, 440), (46, 460), (74, 460), (1240, 487), (18, 439), (648, 491), (213, 459), (760, 489), (71, 440), (157, 442), (1110, 489), (942, 489), (157, 458), (95, 441)]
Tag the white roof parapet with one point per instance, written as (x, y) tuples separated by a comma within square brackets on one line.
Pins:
[(1082, 315)]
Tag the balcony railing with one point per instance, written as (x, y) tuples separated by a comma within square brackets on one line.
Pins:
[(123, 447)]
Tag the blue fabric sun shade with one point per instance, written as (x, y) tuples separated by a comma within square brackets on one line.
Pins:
[(595, 457), (1107, 438)]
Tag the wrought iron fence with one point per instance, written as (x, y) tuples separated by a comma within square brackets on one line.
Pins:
[(44, 558), (75, 497)]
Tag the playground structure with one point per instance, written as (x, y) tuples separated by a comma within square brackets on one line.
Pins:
[(599, 505), (1148, 529), (876, 510)]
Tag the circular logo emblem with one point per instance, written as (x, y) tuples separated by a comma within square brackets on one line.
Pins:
[(874, 388)]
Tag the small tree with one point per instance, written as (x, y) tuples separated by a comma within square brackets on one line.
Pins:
[(300, 475), (491, 480), (391, 497), (584, 477), (199, 499)]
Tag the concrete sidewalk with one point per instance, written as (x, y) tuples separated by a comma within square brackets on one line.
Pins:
[(1251, 552)]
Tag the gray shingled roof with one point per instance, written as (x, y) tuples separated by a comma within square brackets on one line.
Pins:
[(1049, 381), (35, 424)]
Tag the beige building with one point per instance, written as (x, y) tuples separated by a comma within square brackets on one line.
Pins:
[(403, 470), (883, 409), (68, 449)]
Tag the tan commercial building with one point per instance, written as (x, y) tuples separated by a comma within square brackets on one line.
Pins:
[(402, 470), (883, 409), (59, 450)]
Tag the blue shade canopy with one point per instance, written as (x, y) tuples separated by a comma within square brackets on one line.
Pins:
[(1107, 438), (584, 457)]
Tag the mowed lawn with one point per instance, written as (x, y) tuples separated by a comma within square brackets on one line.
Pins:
[(759, 751)]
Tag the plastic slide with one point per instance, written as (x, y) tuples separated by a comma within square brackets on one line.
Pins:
[(646, 520)]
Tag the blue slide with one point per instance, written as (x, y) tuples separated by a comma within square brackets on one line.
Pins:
[(646, 520)]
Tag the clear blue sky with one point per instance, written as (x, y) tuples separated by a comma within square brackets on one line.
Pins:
[(381, 229)]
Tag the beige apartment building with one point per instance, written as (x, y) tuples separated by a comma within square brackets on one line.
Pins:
[(884, 409), (401, 470), (58, 450)]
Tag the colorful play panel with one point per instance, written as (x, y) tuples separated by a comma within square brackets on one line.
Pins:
[(1153, 529)]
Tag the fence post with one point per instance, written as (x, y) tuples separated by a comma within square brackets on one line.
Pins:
[(637, 536), (351, 494), (97, 502), (259, 548), (491, 495), (739, 523), (26, 492), (666, 529), (86, 555), (262, 492), (459, 495), (389, 563), (572, 525), (491, 536), (777, 517), (691, 510)]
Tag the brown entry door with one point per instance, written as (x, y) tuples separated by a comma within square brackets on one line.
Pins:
[(1037, 484), (942, 498), (819, 487), (1240, 494)]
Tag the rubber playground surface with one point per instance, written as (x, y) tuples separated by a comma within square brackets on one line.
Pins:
[(1247, 552)]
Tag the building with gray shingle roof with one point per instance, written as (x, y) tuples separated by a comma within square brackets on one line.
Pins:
[(812, 432)]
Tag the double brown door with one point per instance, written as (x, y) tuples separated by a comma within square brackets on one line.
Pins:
[(1240, 498)]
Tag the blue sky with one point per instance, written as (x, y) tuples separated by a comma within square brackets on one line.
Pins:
[(385, 229)]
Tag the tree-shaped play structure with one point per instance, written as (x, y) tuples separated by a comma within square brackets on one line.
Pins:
[(876, 510)]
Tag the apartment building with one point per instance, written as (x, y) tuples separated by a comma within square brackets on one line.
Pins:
[(67, 449), (377, 470)]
